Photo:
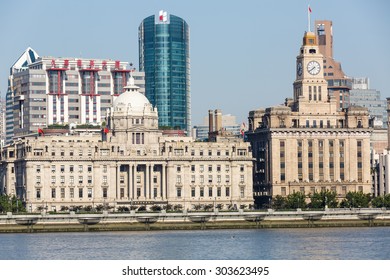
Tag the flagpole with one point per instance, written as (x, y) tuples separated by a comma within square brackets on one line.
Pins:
[(308, 18)]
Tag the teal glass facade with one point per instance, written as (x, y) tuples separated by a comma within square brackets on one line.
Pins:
[(164, 57)]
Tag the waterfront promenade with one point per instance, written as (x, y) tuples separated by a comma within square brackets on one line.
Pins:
[(138, 221)]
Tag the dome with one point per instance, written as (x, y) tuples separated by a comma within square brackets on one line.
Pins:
[(131, 99)]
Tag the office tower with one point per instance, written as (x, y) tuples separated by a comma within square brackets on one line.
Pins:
[(165, 59), (307, 144), (47, 91), (338, 83), (362, 95)]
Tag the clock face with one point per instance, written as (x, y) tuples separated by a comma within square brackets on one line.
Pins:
[(299, 69), (313, 67)]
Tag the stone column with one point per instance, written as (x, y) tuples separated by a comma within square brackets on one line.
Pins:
[(147, 181), (163, 181)]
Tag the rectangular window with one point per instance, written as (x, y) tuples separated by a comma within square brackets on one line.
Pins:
[(62, 192), (178, 168), (62, 179), (38, 193), (71, 192), (210, 168), (178, 179), (89, 179), (122, 179), (192, 168), (122, 193), (80, 179), (210, 192), (242, 168), (38, 169), (80, 168), (53, 179), (218, 168), (53, 193), (178, 192), (201, 179), (104, 180), (38, 179), (89, 168), (53, 168), (138, 179), (227, 179), (71, 168), (210, 178), (155, 192), (193, 179), (89, 192), (218, 178), (242, 178), (104, 168), (192, 192), (201, 168), (242, 192), (80, 193), (227, 191), (219, 191), (201, 192), (104, 192)]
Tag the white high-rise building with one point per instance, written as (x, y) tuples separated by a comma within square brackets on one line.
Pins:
[(46, 91)]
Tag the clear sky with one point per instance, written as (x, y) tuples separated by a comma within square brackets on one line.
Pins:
[(242, 52)]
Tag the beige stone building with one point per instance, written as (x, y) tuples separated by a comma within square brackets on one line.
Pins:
[(129, 163), (308, 145)]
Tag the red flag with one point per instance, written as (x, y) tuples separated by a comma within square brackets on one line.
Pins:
[(105, 130), (309, 9), (40, 131)]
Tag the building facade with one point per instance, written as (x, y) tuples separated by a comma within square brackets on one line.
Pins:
[(338, 83), (164, 56), (309, 145), (49, 90), (131, 163)]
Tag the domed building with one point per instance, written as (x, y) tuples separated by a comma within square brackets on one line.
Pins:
[(131, 163)]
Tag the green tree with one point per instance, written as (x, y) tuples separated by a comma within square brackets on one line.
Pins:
[(296, 200), (279, 202), (381, 201), (10, 203), (356, 200), (322, 199)]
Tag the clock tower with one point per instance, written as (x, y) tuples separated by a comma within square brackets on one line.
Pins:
[(310, 87)]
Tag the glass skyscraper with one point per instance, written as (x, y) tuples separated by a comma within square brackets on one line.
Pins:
[(164, 57)]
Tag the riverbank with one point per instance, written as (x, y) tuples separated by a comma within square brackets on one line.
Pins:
[(140, 221)]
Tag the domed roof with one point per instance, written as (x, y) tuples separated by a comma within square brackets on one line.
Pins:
[(131, 98)]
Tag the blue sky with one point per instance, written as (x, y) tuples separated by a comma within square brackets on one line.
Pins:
[(242, 52)]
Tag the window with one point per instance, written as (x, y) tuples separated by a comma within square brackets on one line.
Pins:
[(219, 191), (155, 179), (192, 152), (178, 179), (71, 168), (210, 153), (241, 178), (53, 193), (201, 168), (210, 178), (178, 192), (155, 192), (104, 192), (104, 168), (178, 168), (80, 168), (201, 192), (227, 168), (104, 180), (193, 179), (218, 168), (242, 192), (89, 179), (192, 192), (80, 179), (62, 179), (89, 168), (62, 192), (38, 169), (53, 179), (241, 168), (227, 191), (80, 193), (227, 178), (192, 168), (138, 179), (201, 179), (71, 192), (122, 179), (219, 179), (89, 192), (53, 168), (210, 192), (38, 179), (38, 193), (210, 168)]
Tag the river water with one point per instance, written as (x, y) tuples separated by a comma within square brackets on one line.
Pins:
[(257, 244)]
